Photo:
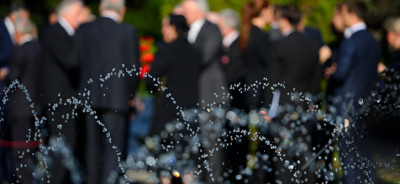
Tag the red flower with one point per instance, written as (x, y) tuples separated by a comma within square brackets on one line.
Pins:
[(147, 58), (144, 48), (144, 71)]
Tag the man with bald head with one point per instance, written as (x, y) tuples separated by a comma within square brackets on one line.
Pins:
[(102, 46)]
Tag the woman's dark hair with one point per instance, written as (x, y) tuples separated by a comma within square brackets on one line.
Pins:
[(250, 10), (180, 24)]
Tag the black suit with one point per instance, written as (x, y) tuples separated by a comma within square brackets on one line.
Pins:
[(294, 62), (6, 46), (58, 80), (256, 61), (180, 63), (209, 42), (232, 65), (102, 46), (24, 67)]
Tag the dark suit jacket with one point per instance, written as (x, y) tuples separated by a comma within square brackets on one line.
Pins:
[(58, 72), (102, 46), (180, 63), (295, 62), (256, 59), (256, 56), (25, 67), (314, 35), (357, 66), (209, 42), (6, 45), (232, 65)]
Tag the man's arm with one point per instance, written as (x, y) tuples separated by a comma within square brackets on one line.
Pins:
[(345, 62)]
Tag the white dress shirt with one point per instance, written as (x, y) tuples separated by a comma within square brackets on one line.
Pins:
[(195, 30), (349, 32), (230, 38), (67, 27), (10, 28)]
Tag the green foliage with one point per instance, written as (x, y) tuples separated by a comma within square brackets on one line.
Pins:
[(147, 19)]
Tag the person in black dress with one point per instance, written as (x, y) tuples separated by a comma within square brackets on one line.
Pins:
[(254, 46), (180, 64)]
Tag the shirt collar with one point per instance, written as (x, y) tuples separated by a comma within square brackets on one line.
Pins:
[(25, 39), (349, 32), (230, 38), (10, 28), (67, 27), (195, 30), (111, 14)]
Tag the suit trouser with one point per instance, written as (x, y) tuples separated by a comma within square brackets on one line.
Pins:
[(5, 152), (71, 132), (101, 158), (23, 156)]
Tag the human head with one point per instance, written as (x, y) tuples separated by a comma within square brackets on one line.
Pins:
[(289, 18), (174, 26), (18, 11), (195, 10), (70, 11), (354, 12), (392, 26), (337, 19), (24, 27), (229, 21), (117, 6), (251, 13)]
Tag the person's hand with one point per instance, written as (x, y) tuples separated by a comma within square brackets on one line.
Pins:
[(324, 54), (330, 70), (4, 72), (381, 67)]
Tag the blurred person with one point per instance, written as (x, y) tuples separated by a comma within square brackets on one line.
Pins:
[(24, 67), (102, 46), (207, 38), (180, 63), (254, 46), (274, 34), (231, 60), (356, 77), (294, 62), (314, 34), (356, 70), (59, 81), (229, 22), (392, 26), (7, 42)]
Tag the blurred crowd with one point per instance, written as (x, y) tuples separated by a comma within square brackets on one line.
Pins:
[(203, 57)]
